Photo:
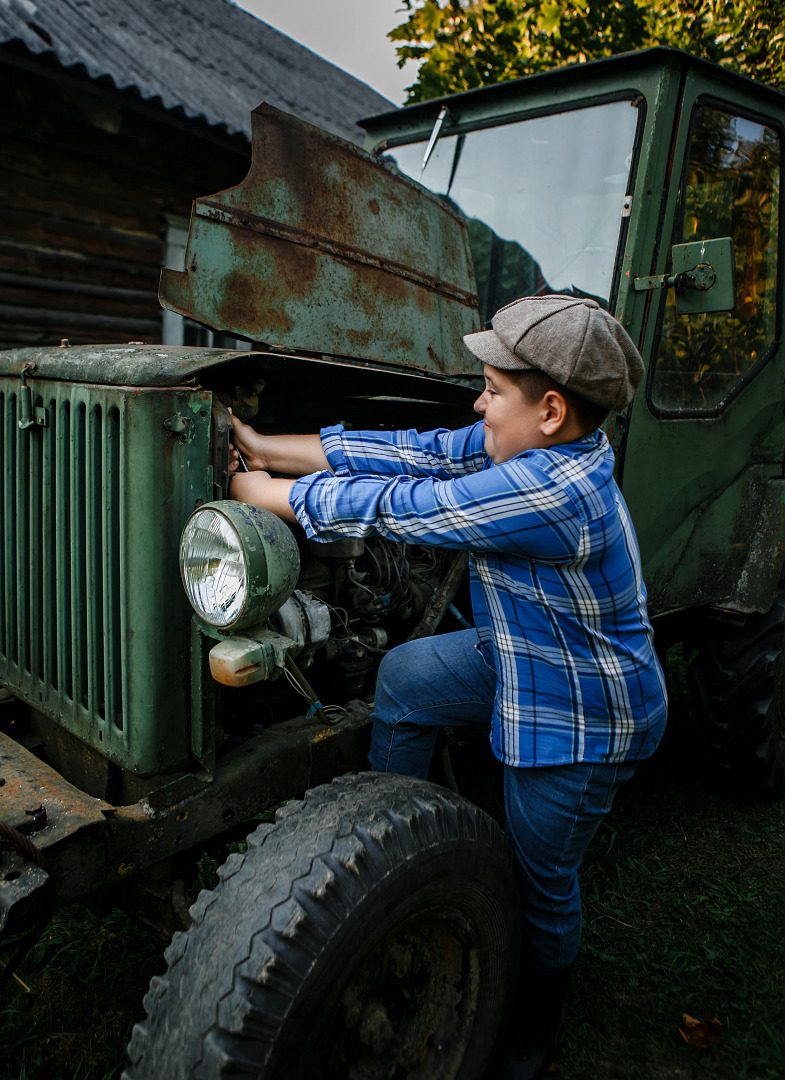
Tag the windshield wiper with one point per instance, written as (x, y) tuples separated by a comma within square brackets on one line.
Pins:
[(444, 112)]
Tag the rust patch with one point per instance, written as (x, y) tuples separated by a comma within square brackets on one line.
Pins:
[(296, 268), (326, 249), (257, 303), (424, 301)]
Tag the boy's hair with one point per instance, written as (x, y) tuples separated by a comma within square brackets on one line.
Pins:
[(535, 384)]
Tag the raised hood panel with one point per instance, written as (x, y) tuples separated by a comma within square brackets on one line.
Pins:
[(325, 249)]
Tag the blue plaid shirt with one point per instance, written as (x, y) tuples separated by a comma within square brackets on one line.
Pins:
[(558, 598)]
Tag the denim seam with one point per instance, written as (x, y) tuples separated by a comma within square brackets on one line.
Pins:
[(435, 705), (439, 705), (558, 865)]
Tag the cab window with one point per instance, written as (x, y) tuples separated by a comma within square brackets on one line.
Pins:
[(730, 188)]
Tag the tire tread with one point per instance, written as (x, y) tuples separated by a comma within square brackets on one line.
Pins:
[(278, 902)]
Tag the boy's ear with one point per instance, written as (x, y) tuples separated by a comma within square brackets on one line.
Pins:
[(554, 412)]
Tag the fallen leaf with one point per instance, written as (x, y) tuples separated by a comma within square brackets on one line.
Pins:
[(704, 1034)]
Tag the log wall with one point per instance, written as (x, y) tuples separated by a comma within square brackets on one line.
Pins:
[(87, 177)]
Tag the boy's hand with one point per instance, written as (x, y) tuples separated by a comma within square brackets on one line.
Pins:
[(250, 444), (294, 455)]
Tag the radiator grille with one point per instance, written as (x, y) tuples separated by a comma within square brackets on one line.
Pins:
[(61, 629), (95, 628)]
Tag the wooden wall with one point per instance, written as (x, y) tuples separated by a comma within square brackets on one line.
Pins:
[(87, 177)]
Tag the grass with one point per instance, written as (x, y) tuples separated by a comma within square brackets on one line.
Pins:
[(86, 977), (684, 911), (684, 894)]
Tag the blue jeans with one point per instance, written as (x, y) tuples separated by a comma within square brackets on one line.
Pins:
[(552, 811)]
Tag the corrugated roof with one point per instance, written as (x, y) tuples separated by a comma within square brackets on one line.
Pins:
[(206, 57)]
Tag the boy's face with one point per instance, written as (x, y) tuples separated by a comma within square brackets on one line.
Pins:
[(512, 425)]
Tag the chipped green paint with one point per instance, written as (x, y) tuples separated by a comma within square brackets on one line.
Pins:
[(116, 365)]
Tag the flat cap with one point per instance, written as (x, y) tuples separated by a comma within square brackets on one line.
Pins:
[(572, 339)]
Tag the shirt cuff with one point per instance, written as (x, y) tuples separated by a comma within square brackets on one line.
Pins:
[(297, 497)]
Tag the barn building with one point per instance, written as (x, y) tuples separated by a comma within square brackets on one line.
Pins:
[(116, 115)]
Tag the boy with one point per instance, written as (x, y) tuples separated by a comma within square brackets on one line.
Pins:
[(562, 662)]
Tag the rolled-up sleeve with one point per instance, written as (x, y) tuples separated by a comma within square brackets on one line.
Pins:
[(441, 453), (512, 508)]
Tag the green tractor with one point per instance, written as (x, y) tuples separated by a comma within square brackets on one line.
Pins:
[(371, 930)]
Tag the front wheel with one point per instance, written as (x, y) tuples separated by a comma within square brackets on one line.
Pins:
[(372, 932)]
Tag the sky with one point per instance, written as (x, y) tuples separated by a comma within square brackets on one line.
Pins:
[(350, 33)]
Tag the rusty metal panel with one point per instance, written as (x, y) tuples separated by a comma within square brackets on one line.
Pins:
[(326, 249), (89, 844), (38, 802)]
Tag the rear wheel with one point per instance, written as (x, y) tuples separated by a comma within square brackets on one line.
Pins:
[(371, 933), (738, 683)]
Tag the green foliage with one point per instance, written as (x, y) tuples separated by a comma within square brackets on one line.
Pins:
[(467, 43)]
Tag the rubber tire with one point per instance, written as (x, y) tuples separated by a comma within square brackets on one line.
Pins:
[(738, 689), (307, 913)]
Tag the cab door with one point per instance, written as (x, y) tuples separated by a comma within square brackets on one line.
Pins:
[(703, 456)]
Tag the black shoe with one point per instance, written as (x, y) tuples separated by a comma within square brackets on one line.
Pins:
[(535, 1019)]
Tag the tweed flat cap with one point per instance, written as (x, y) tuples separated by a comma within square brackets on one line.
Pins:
[(575, 341)]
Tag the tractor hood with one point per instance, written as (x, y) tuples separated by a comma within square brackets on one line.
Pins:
[(326, 250)]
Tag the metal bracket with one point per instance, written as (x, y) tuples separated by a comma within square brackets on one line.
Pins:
[(29, 417), (180, 426)]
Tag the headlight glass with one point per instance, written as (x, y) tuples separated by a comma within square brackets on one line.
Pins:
[(215, 573), (239, 563)]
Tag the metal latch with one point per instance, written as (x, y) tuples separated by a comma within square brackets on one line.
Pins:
[(700, 277), (704, 276), (28, 416)]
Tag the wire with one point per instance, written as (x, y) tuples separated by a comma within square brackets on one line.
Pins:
[(295, 676)]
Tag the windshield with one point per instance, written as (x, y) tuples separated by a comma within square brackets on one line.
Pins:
[(543, 199)]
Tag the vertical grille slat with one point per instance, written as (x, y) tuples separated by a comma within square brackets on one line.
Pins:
[(48, 548), (5, 523), (111, 563), (30, 584), (10, 539), (21, 492), (63, 557), (94, 586), (78, 567)]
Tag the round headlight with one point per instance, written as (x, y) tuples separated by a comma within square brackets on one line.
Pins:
[(239, 563)]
